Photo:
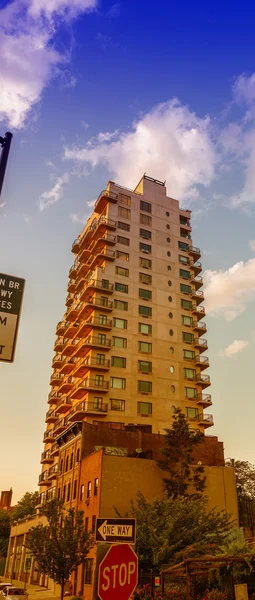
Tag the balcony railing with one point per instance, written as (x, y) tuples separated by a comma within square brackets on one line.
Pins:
[(48, 435), (76, 246), (94, 362), (103, 198), (93, 341), (53, 470), (86, 407), (198, 309), (198, 281), (100, 302), (202, 360), (204, 399), (46, 457), (204, 379), (201, 342), (200, 325), (44, 476), (54, 450)]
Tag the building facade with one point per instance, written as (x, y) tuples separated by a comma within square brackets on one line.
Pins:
[(130, 348)]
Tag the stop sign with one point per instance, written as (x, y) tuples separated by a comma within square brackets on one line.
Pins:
[(118, 573)]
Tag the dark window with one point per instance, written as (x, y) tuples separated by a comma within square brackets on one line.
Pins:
[(96, 486), (121, 287), (145, 234), (82, 492), (89, 489), (184, 221), (124, 199), (167, 214), (118, 361), (145, 220), (74, 489), (67, 463), (187, 337), (187, 304), (123, 240), (64, 493), (168, 240), (144, 408), (124, 212), (169, 253), (78, 455), (186, 289), (184, 274), (145, 248), (122, 255), (145, 206), (88, 570), (146, 263), (145, 278), (71, 461), (183, 246), (145, 366), (93, 527), (170, 299), (117, 404), (86, 524), (144, 386), (144, 346), (120, 305), (68, 491), (124, 226), (122, 271), (145, 294), (184, 234), (146, 311)]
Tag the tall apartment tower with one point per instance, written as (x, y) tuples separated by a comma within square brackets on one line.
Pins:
[(130, 348)]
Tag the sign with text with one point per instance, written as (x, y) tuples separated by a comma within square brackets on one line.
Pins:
[(241, 591), (115, 530), (11, 294), (118, 573)]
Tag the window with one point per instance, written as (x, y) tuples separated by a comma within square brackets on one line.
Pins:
[(101, 339), (145, 206), (122, 255), (144, 328), (187, 337), (167, 214), (86, 524), (97, 402), (169, 268), (68, 492), (187, 304), (96, 486), (169, 283), (118, 361), (120, 323), (171, 350), (88, 570), (183, 246), (82, 492), (74, 489), (89, 489), (189, 354), (144, 408), (105, 283), (121, 287), (93, 524), (172, 388), (171, 332), (117, 404), (145, 278), (187, 321), (146, 263), (71, 461), (144, 347), (170, 315), (191, 413), (120, 305), (145, 294), (168, 253), (186, 289), (145, 234), (104, 301), (144, 386), (184, 274), (124, 226), (124, 212), (146, 311), (99, 380), (170, 299), (168, 226), (124, 199), (118, 383), (64, 493), (67, 463), (145, 220), (184, 233), (123, 240), (183, 259), (61, 466), (78, 455), (100, 359), (122, 271), (189, 373), (190, 392), (184, 220), (145, 366), (145, 248), (168, 240), (119, 342), (103, 319), (172, 369)]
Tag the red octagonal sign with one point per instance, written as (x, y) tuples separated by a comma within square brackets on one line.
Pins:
[(118, 573)]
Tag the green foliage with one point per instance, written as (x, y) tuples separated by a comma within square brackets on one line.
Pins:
[(245, 485), (145, 593), (5, 527), (25, 507), (178, 459), (215, 595), (62, 545), (173, 529)]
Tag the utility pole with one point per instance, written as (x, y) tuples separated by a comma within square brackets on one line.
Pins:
[(5, 142)]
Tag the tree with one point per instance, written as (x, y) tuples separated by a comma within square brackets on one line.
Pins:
[(245, 487), (173, 529), (178, 459), (5, 527), (62, 545), (25, 507)]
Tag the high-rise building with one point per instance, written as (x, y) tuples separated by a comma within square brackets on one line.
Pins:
[(129, 349)]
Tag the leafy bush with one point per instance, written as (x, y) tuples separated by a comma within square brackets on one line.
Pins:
[(215, 595)]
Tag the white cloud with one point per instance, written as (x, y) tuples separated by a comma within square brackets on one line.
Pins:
[(170, 143), (27, 218), (227, 293), (244, 88), (55, 193), (234, 348), (2, 204), (28, 57), (75, 218), (252, 245), (91, 203)]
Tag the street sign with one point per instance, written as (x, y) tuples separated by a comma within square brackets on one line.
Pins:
[(118, 573), (115, 530), (11, 294)]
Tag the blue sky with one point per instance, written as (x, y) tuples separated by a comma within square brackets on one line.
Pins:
[(96, 90)]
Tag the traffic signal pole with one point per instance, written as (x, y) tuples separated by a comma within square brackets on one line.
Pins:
[(5, 142)]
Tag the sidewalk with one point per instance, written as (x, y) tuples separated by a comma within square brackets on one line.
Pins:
[(35, 592)]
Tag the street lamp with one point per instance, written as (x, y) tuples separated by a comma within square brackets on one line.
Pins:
[(5, 142)]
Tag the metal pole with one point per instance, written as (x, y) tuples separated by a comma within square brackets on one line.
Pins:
[(6, 144)]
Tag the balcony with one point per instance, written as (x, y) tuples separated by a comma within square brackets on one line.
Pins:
[(203, 380), (83, 408), (51, 416), (103, 198), (204, 400), (63, 406), (199, 326), (97, 342), (56, 362), (53, 471), (205, 420), (71, 329), (48, 436), (94, 323), (86, 364), (69, 346), (54, 397), (76, 246), (54, 450), (195, 252), (44, 478), (70, 299), (102, 255), (103, 285), (60, 329), (202, 362), (59, 343), (72, 311), (201, 344), (197, 281), (199, 311), (89, 385), (66, 385), (71, 286), (196, 266), (104, 239), (59, 426), (46, 458), (67, 365), (55, 379), (197, 295)]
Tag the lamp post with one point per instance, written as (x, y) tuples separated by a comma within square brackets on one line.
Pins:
[(5, 142)]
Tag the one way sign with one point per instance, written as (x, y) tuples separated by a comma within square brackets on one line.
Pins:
[(116, 530)]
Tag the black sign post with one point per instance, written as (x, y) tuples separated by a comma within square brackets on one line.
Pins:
[(11, 294), (116, 530), (6, 144)]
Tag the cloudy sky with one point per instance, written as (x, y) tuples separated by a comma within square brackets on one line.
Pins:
[(94, 90)]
